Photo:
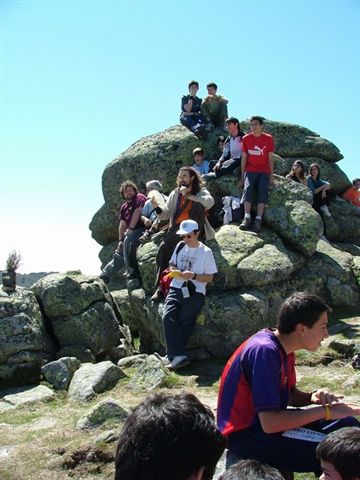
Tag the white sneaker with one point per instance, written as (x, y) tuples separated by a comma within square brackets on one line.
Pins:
[(178, 362), (325, 210), (165, 360)]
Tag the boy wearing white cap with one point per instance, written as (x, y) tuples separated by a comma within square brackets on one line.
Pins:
[(192, 268)]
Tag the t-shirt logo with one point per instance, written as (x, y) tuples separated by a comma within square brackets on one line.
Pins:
[(257, 151)]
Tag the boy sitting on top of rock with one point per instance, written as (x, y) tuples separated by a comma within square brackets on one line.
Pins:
[(214, 107), (201, 165)]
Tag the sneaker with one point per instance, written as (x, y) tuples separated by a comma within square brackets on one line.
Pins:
[(178, 362), (257, 224), (325, 210), (157, 296), (245, 224), (145, 237), (165, 360)]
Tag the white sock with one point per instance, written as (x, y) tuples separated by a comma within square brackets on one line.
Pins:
[(258, 217), (247, 215)]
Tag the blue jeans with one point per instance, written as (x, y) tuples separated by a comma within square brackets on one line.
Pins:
[(284, 453), (129, 248), (179, 319), (190, 121)]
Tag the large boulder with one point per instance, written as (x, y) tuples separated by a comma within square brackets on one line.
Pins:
[(256, 271), (81, 311), (24, 343)]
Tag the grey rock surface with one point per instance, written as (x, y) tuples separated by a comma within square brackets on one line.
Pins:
[(105, 411), (150, 375), (91, 379), (29, 394), (60, 372)]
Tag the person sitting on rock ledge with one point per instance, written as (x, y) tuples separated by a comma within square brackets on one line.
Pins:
[(259, 383), (148, 214), (191, 267), (257, 166), (231, 154), (201, 165), (214, 107), (130, 230), (352, 194), (189, 200), (320, 190), (191, 116), (169, 437), (297, 173)]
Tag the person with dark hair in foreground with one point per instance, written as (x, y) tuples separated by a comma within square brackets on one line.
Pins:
[(258, 385), (251, 470), (169, 437), (339, 455)]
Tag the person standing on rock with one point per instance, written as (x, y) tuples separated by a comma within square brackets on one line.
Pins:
[(130, 230), (258, 385), (257, 167), (189, 200), (192, 266)]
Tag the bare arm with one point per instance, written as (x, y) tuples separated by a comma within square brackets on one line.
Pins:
[(244, 157), (134, 220), (271, 164), (272, 422), (122, 229), (188, 106)]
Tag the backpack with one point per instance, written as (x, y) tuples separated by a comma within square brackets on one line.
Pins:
[(165, 279)]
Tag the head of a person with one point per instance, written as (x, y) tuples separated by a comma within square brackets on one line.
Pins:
[(189, 231), (193, 87), (128, 190), (356, 183), (153, 185), (314, 171), (211, 88), (220, 142), (339, 455), (233, 126), (298, 168), (251, 469), (256, 124), (190, 178), (169, 437), (199, 155), (306, 314)]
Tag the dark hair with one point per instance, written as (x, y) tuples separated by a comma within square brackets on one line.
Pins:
[(193, 82), (257, 118), (198, 150), (168, 437), (252, 470), (355, 181), (128, 183), (317, 166), (236, 122), (302, 171), (300, 307), (220, 139), (212, 84), (197, 183), (342, 449)]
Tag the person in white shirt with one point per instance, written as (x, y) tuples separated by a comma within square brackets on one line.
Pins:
[(192, 267)]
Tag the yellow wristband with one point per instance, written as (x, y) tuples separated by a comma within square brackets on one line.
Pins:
[(327, 412)]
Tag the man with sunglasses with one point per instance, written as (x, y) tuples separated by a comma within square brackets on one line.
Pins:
[(192, 268)]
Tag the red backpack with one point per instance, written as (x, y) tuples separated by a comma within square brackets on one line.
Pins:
[(165, 279)]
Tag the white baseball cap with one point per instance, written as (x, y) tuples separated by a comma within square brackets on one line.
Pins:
[(187, 226)]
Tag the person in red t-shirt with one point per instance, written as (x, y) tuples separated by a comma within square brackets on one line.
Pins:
[(257, 167), (352, 194)]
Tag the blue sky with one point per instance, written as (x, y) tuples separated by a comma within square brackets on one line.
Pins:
[(82, 80)]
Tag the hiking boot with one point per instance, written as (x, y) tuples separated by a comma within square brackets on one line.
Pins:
[(245, 224), (145, 237), (178, 362), (325, 210), (257, 224), (157, 296)]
